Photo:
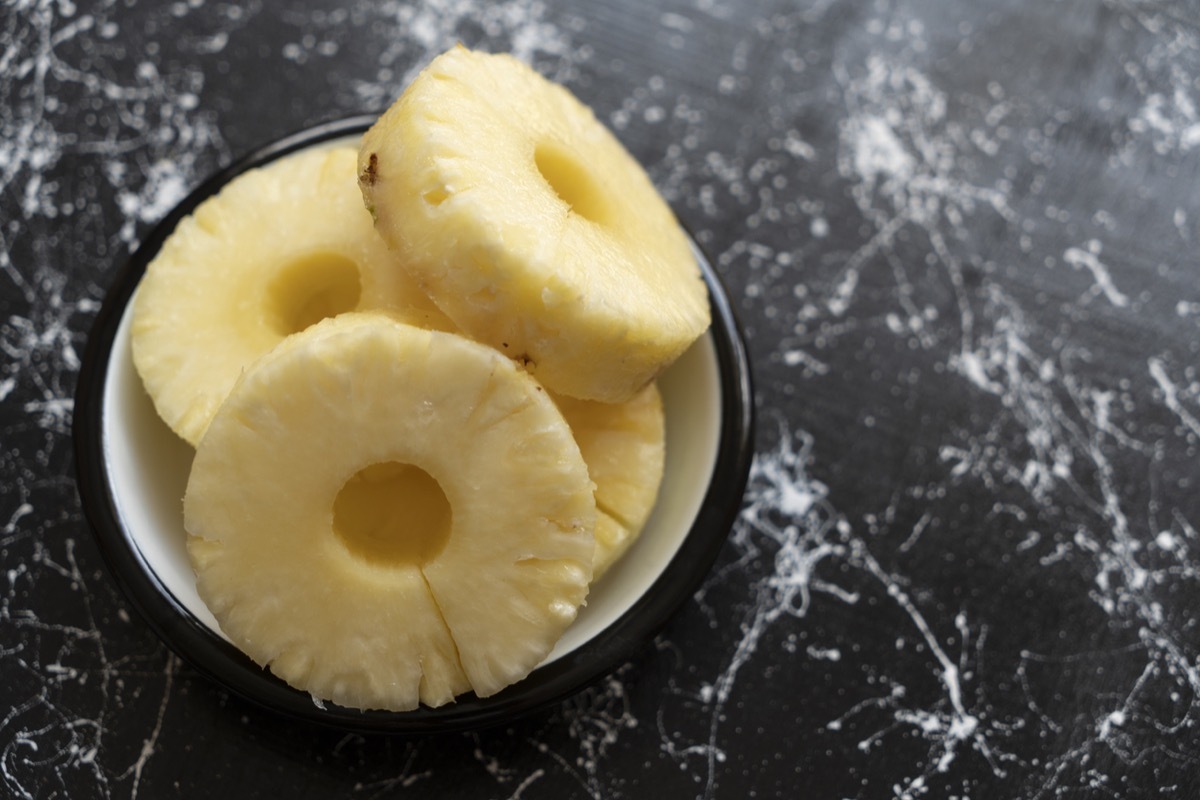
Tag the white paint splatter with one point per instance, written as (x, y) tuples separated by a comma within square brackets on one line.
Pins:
[(1171, 393), (1089, 259)]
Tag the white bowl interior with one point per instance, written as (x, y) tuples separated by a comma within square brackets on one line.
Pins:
[(148, 468)]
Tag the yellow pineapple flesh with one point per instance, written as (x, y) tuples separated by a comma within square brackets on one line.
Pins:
[(624, 447), (531, 227), (279, 248), (385, 515)]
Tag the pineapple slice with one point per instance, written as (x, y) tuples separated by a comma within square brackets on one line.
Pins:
[(531, 227), (278, 249), (385, 515), (624, 447)]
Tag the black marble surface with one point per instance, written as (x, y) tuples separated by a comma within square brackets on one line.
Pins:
[(962, 241)]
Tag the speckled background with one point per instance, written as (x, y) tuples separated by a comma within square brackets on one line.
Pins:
[(962, 241)]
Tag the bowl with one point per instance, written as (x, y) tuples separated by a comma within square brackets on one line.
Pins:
[(132, 472)]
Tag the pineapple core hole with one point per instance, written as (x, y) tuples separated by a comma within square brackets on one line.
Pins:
[(572, 182), (312, 288), (392, 514)]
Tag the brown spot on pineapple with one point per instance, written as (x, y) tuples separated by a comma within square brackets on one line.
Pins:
[(371, 173)]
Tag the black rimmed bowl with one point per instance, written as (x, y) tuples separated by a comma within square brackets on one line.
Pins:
[(132, 472)]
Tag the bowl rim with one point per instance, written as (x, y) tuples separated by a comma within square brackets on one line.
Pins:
[(222, 662)]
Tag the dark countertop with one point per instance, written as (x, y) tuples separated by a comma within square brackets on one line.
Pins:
[(962, 243)]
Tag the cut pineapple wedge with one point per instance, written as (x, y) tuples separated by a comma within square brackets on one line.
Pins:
[(624, 447), (278, 249), (385, 515), (529, 224)]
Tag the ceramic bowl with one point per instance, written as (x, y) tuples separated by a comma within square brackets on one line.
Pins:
[(132, 472)]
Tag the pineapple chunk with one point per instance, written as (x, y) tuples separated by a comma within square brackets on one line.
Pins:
[(624, 447), (531, 227), (384, 515), (278, 249)]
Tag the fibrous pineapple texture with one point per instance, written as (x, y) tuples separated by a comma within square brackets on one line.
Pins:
[(624, 447), (385, 515), (531, 227), (278, 249)]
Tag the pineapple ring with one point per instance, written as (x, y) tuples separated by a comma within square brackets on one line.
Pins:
[(624, 447), (531, 227), (278, 249), (372, 624)]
